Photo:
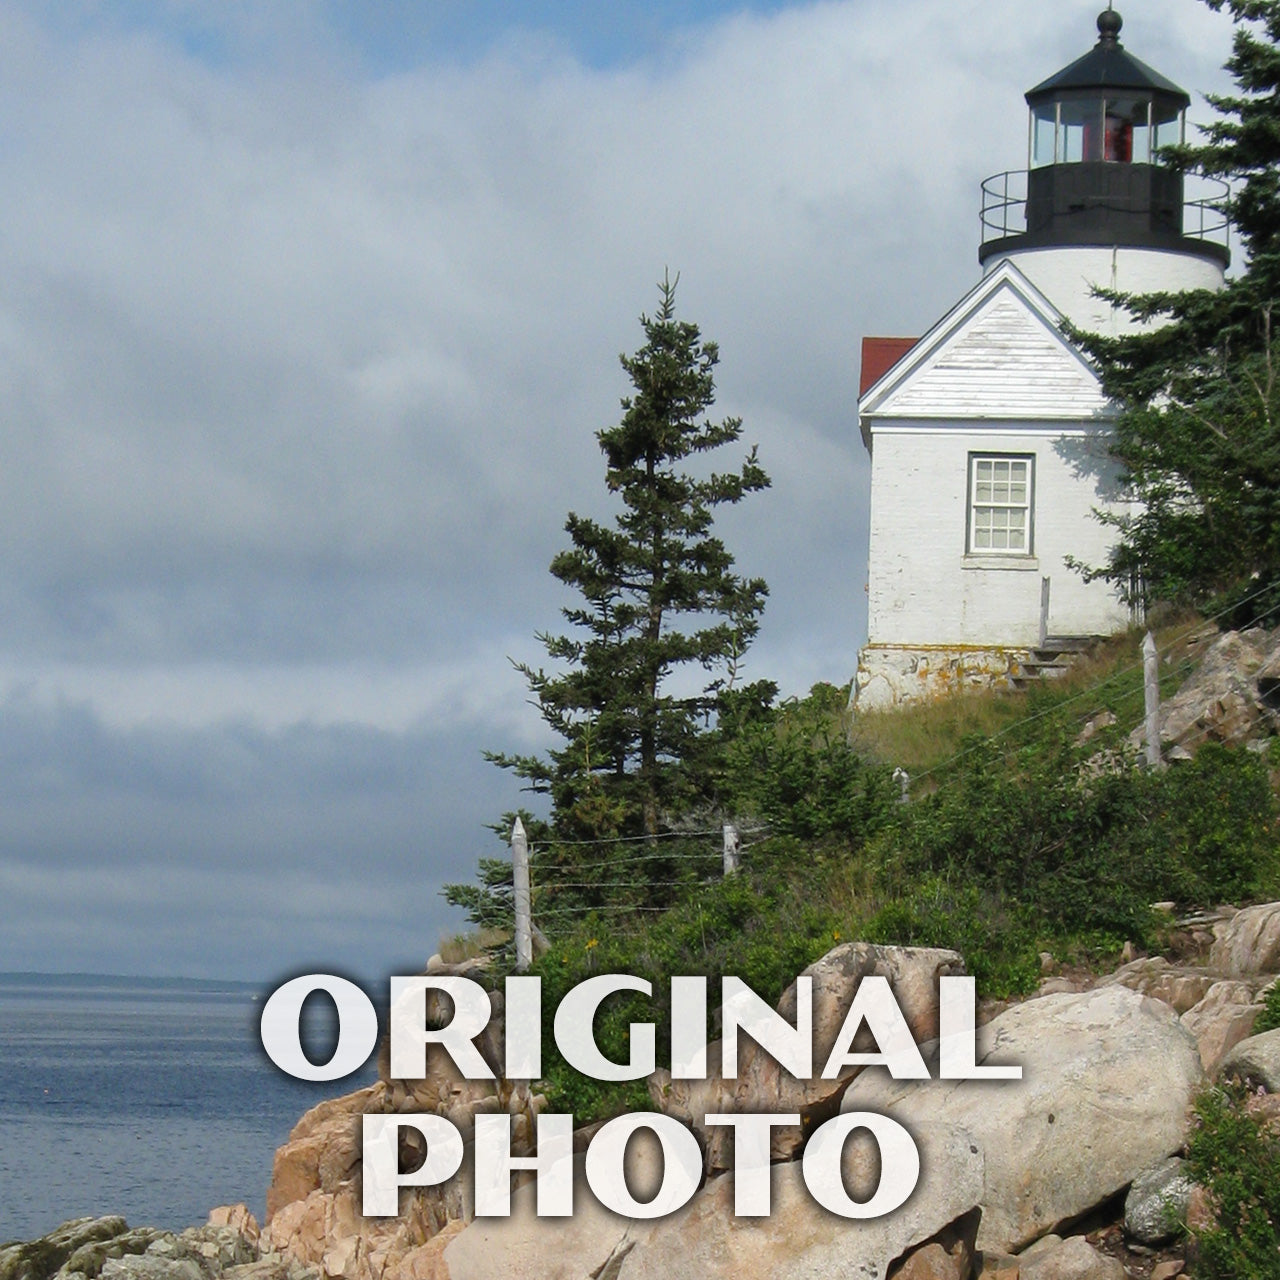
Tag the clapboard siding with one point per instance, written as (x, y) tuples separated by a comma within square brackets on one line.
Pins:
[(1004, 363)]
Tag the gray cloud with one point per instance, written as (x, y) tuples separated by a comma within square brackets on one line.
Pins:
[(229, 849)]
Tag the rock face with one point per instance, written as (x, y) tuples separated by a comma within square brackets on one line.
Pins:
[(323, 1149), (238, 1217), (1108, 1081), (314, 1201), (1256, 1061), (1221, 702), (1248, 943), (1156, 1205), (108, 1249), (1072, 1259), (761, 1085), (36, 1259), (799, 1240), (315, 1195), (527, 1247), (1218, 1010), (1221, 1020), (1176, 985)]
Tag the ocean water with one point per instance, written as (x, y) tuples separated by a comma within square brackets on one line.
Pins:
[(152, 1098)]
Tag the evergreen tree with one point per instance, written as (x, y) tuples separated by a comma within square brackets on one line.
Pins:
[(1244, 146), (1198, 435), (658, 599)]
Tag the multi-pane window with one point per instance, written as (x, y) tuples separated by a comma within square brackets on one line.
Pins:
[(999, 505)]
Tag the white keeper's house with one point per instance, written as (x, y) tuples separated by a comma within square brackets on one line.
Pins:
[(988, 434)]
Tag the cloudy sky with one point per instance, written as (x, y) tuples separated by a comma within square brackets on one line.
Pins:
[(308, 313)]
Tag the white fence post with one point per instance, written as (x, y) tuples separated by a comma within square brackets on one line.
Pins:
[(520, 883), (732, 848), (1151, 691)]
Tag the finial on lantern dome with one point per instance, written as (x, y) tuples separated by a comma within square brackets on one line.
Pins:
[(1109, 24)]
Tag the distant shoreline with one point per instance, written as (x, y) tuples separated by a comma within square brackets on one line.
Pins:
[(121, 979)]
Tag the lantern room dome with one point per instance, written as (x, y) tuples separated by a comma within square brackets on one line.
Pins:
[(1108, 65)]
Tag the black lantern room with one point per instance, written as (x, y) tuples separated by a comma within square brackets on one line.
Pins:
[(1092, 176)]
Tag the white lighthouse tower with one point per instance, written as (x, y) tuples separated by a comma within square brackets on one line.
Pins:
[(988, 435)]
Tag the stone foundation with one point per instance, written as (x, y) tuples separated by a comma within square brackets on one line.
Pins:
[(899, 675)]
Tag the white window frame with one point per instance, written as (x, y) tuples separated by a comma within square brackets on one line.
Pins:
[(998, 471)]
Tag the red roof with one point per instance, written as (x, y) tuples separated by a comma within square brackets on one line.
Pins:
[(879, 355)]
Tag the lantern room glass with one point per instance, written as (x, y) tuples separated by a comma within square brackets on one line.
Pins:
[(1119, 129), (1172, 131), (1044, 134)]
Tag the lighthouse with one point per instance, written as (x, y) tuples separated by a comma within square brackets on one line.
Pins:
[(988, 435)]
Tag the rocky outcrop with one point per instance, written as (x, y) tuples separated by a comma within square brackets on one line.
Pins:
[(1223, 1018), (1223, 700), (1248, 943), (1218, 1011), (323, 1150), (1108, 1078), (762, 1085), (227, 1248), (1256, 1062), (799, 1240), (1109, 1072), (524, 1246), (1156, 1206), (37, 1259), (314, 1202), (1177, 985)]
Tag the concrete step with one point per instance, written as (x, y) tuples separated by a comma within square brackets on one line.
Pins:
[(1068, 644), (1050, 660)]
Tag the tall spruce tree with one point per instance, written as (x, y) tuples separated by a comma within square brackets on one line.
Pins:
[(1199, 431), (659, 602)]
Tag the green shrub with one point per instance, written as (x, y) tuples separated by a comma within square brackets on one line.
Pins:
[(1269, 1018), (1215, 817), (1237, 1159), (1078, 854), (763, 928), (998, 943), (798, 773), (1033, 835)]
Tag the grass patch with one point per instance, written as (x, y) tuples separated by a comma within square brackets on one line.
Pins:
[(472, 943), (935, 739)]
